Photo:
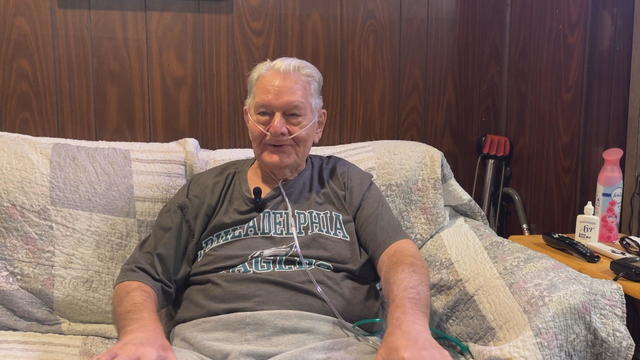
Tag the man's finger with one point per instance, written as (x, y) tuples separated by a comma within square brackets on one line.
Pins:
[(105, 356)]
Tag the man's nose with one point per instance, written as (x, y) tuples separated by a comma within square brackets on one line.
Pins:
[(278, 125)]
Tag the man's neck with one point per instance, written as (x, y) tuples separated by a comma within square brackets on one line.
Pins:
[(267, 178)]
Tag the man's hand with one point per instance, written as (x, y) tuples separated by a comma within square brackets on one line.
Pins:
[(139, 347), (140, 332), (410, 344), (405, 285)]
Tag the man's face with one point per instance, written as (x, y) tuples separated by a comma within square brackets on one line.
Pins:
[(281, 102)]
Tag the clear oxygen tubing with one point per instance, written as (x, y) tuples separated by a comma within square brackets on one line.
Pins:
[(315, 118), (371, 340), (359, 334), (437, 335)]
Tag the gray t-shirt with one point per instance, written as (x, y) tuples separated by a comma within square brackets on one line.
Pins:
[(211, 252)]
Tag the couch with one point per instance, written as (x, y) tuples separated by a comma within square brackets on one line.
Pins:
[(71, 211)]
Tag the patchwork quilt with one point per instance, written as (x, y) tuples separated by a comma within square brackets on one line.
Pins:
[(502, 299), (72, 211)]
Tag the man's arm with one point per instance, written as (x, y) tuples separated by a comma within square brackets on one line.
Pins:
[(140, 332), (405, 283)]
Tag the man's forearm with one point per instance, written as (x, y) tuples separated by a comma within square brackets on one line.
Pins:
[(140, 332), (405, 284), (135, 309)]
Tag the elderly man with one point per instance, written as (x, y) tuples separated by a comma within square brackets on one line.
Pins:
[(274, 276)]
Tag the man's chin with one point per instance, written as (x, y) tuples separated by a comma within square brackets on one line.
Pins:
[(277, 160)]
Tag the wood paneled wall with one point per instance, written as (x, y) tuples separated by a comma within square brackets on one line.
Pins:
[(551, 75), (631, 201)]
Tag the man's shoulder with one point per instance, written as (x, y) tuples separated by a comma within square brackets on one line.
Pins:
[(331, 161), (332, 164)]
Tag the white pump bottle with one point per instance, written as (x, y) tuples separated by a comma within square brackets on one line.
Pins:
[(587, 225)]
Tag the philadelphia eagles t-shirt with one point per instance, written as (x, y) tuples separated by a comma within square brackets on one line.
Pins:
[(211, 252)]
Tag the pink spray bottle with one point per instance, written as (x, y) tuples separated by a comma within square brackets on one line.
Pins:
[(609, 195)]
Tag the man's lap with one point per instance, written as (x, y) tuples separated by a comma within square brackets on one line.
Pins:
[(277, 334)]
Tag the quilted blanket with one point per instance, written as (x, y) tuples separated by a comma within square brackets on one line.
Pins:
[(71, 212), (502, 299)]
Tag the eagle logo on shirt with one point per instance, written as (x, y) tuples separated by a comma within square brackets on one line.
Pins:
[(278, 259), (273, 252)]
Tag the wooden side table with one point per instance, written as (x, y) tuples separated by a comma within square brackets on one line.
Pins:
[(599, 270)]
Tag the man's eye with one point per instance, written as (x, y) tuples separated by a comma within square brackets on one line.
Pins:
[(293, 115), (263, 113)]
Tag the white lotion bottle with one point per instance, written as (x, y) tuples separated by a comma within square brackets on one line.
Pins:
[(587, 225)]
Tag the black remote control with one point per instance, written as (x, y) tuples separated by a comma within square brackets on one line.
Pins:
[(565, 243)]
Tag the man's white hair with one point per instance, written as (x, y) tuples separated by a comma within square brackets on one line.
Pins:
[(288, 65)]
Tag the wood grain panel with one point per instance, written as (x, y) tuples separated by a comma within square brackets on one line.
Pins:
[(73, 67), (607, 96), (449, 99), (371, 34), (631, 207), (487, 50), (466, 65), (27, 81), (489, 39), (222, 88), (256, 37), (450, 125), (311, 31), (442, 74), (412, 113), (120, 69), (621, 90), (545, 93), (175, 55)]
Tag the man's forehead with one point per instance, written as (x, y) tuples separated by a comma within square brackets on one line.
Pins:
[(292, 89), (294, 104)]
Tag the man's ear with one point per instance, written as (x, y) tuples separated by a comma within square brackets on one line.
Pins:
[(245, 114), (322, 119)]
